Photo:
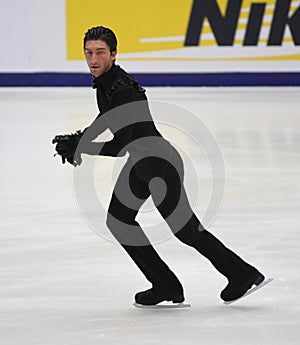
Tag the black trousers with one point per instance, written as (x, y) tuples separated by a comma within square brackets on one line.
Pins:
[(163, 180)]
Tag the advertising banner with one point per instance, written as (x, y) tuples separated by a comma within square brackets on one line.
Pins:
[(193, 35)]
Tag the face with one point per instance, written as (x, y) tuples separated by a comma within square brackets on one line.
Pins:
[(98, 57)]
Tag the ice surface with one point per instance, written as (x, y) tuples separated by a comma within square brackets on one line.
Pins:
[(61, 283)]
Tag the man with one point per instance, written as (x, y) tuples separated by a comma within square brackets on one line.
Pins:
[(141, 178)]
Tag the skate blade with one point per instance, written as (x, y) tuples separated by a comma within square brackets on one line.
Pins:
[(249, 292), (163, 306)]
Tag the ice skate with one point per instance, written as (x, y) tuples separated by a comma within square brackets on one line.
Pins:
[(153, 299), (237, 289), (250, 291)]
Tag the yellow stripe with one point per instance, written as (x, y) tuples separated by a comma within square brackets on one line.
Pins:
[(279, 57)]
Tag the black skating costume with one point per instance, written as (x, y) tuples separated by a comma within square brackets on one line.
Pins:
[(115, 88)]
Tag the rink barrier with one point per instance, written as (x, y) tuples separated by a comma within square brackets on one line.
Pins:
[(156, 79)]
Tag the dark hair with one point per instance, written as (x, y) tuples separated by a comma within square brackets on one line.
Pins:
[(103, 34)]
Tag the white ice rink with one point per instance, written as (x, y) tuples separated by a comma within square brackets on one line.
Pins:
[(62, 284)]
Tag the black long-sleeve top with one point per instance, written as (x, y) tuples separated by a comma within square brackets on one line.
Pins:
[(124, 110)]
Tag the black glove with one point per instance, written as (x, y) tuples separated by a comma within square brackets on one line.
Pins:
[(66, 146)]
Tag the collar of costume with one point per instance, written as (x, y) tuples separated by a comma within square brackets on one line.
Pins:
[(105, 77)]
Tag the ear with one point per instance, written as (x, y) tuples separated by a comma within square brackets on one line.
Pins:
[(114, 54)]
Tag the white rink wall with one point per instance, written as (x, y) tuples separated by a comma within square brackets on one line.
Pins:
[(33, 33)]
